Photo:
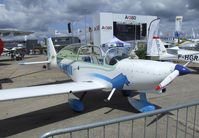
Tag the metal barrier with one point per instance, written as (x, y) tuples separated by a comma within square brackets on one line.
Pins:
[(176, 121)]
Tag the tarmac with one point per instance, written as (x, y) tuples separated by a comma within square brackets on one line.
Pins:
[(33, 117)]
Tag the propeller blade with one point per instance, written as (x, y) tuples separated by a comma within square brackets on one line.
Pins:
[(178, 71), (167, 80)]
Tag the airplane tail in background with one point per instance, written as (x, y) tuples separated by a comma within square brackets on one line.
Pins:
[(155, 46), (1, 46), (51, 52)]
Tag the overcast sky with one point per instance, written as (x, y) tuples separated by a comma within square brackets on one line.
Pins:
[(40, 15)]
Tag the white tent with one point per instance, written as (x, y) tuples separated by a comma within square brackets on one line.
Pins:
[(115, 42)]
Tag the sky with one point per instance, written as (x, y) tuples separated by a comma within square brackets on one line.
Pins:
[(48, 15)]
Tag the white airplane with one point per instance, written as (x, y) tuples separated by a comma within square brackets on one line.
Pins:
[(10, 32), (89, 71), (156, 48)]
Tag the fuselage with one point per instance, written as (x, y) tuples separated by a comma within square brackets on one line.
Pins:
[(182, 55), (188, 55), (127, 74), (157, 49)]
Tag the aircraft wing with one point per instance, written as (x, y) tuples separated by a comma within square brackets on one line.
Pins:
[(175, 51), (47, 90), (188, 52)]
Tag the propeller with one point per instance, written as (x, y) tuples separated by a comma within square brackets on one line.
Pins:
[(178, 71)]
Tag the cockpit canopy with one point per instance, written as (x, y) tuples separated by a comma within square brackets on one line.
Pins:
[(92, 54)]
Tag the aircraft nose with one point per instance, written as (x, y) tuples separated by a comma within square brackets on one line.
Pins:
[(182, 70)]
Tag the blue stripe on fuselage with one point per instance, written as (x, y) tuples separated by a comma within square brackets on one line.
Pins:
[(117, 82)]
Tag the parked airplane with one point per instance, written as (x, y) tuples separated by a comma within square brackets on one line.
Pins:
[(174, 53), (10, 32), (89, 71), (156, 48)]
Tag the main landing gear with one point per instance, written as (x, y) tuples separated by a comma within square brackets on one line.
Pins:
[(141, 105), (76, 104)]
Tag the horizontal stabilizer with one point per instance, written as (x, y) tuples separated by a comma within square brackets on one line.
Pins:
[(32, 63), (47, 90)]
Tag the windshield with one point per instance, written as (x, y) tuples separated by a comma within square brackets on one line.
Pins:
[(113, 55)]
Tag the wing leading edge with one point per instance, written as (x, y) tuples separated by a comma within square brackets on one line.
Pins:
[(47, 90)]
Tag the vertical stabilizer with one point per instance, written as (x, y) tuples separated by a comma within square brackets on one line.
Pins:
[(155, 46), (51, 52)]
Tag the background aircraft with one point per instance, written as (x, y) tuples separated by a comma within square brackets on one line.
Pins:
[(157, 50), (84, 65), (10, 33)]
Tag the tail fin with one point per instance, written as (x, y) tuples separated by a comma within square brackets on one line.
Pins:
[(155, 46), (52, 60), (51, 52), (1, 46)]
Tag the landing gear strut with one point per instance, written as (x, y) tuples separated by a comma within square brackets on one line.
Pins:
[(141, 105)]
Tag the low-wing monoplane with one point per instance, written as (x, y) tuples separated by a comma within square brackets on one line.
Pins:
[(89, 71), (156, 48), (174, 53)]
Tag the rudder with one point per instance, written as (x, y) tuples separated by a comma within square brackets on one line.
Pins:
[(155, 46), (51, 52)]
